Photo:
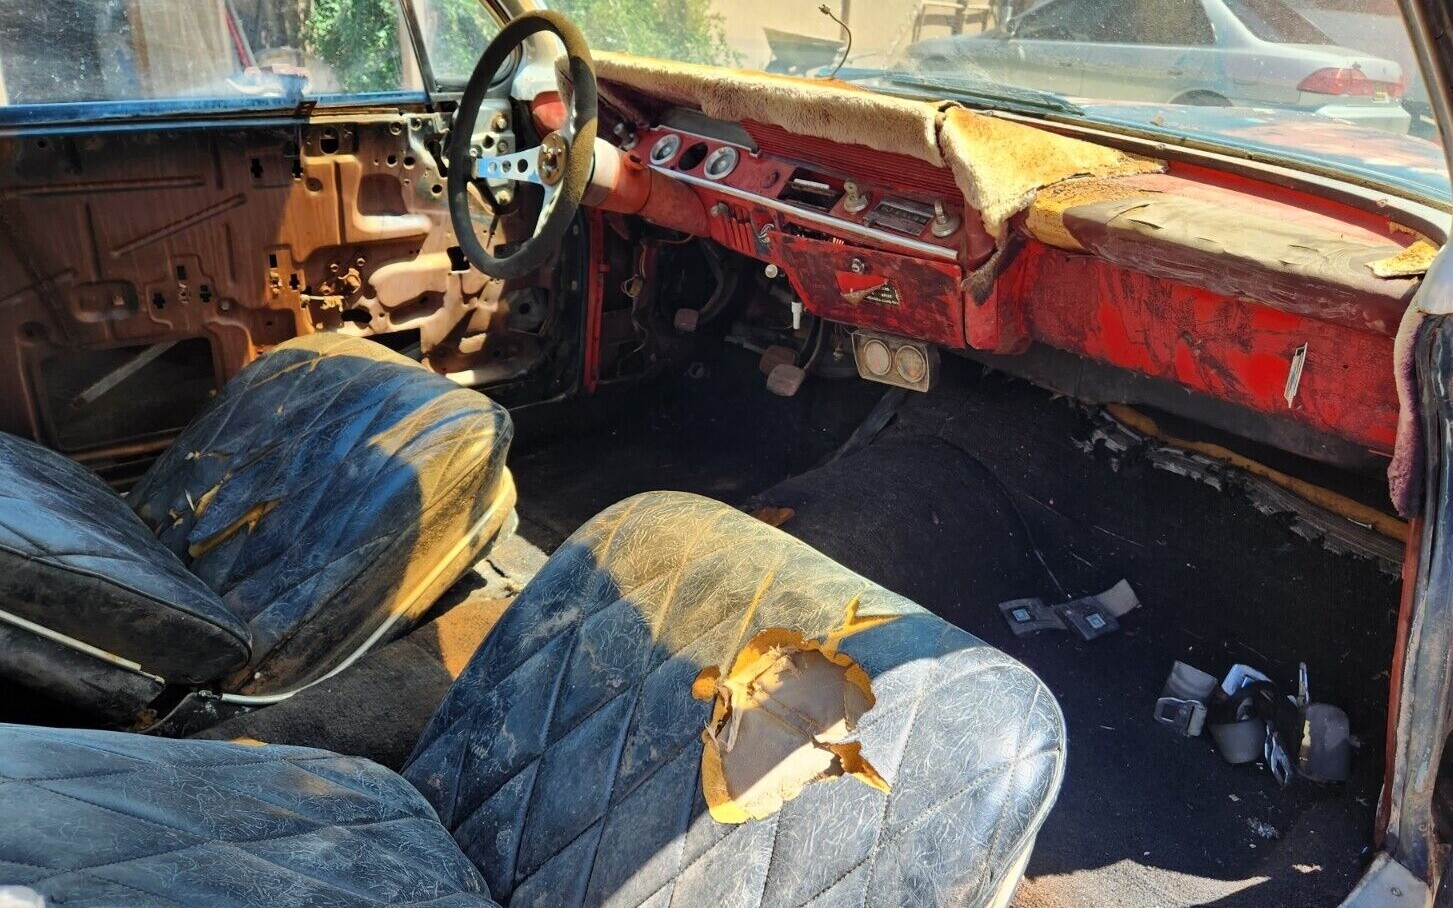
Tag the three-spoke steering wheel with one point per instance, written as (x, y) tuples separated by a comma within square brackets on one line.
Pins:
[(561, 163)]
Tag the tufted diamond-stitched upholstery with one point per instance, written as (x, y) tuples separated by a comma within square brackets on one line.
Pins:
[(566, 759), (109, 819), (75, 559), (358, 472), (320, 502)]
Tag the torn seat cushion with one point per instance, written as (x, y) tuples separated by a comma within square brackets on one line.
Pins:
[(328, 484), (567, 760), (76, 561), (107, 819)]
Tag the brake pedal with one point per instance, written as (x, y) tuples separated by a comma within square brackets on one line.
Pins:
[(786, 380)]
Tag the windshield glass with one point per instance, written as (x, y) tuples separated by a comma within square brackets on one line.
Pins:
[(1329, 85)]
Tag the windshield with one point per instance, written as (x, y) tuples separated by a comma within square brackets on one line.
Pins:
[(1327, 85)]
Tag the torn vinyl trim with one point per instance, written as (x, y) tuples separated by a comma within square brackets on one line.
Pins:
[(1425, 687)]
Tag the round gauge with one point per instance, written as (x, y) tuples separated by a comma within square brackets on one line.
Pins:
[(665, 148), (910, 364), (876, 357), (721, 162)]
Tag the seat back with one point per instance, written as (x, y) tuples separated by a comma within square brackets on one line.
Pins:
[(567, 759), (321, 488), (77, 569)]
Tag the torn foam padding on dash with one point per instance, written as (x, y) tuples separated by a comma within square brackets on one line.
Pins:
[(1045, 218), (1413, 261), (997, 163), (781, 721)]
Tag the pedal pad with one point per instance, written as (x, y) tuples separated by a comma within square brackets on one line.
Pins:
[(776, 355), (786, 380), (686, 320)]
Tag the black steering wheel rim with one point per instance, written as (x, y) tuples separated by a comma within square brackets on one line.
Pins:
[(532, 254)]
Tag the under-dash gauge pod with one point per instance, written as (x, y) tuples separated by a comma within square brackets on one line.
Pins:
[(721, 162), (910, 364), (877, 358), (665, 148)]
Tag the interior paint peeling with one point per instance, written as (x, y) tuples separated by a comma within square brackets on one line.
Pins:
[(781, 720)]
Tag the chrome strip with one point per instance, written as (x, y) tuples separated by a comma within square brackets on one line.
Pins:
[(73, 643), (917, 247)]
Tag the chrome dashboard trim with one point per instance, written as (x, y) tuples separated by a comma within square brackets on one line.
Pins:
[(917, 247)]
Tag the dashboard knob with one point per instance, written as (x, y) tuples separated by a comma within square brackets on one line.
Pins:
[(945, 222)]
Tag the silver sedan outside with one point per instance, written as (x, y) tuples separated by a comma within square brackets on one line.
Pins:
[(1243, 53)]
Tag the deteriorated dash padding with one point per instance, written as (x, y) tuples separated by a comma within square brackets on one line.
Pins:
[(998, 164), (321, 489), (566, 760)]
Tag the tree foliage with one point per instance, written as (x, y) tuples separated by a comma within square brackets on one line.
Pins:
[(672, 29), (359, 39)]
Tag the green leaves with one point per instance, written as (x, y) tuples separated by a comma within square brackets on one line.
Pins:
[(673, 29)]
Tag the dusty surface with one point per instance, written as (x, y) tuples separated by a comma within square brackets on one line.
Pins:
[(1145, 819), (379, 707), (997, 164)]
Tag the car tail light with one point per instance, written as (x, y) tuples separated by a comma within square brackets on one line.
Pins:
[(1351, 82)]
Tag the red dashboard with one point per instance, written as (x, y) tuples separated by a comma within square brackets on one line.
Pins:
[(885, 241)]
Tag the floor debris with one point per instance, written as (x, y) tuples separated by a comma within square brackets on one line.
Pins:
[(1089, 616)]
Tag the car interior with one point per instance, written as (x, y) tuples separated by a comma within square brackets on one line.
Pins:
[(620, 481)]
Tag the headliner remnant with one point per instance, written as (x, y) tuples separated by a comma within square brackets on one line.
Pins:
[(781, 721), (997, 163)]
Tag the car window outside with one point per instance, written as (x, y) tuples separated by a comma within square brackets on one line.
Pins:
[(455, 34), (66, 51), (1068, 20), (1271, 20), (1170, 22)]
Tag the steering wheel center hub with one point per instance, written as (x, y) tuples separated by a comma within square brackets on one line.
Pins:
[(554, 152)]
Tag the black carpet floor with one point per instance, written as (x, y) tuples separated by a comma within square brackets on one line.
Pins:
[(988, 489)]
